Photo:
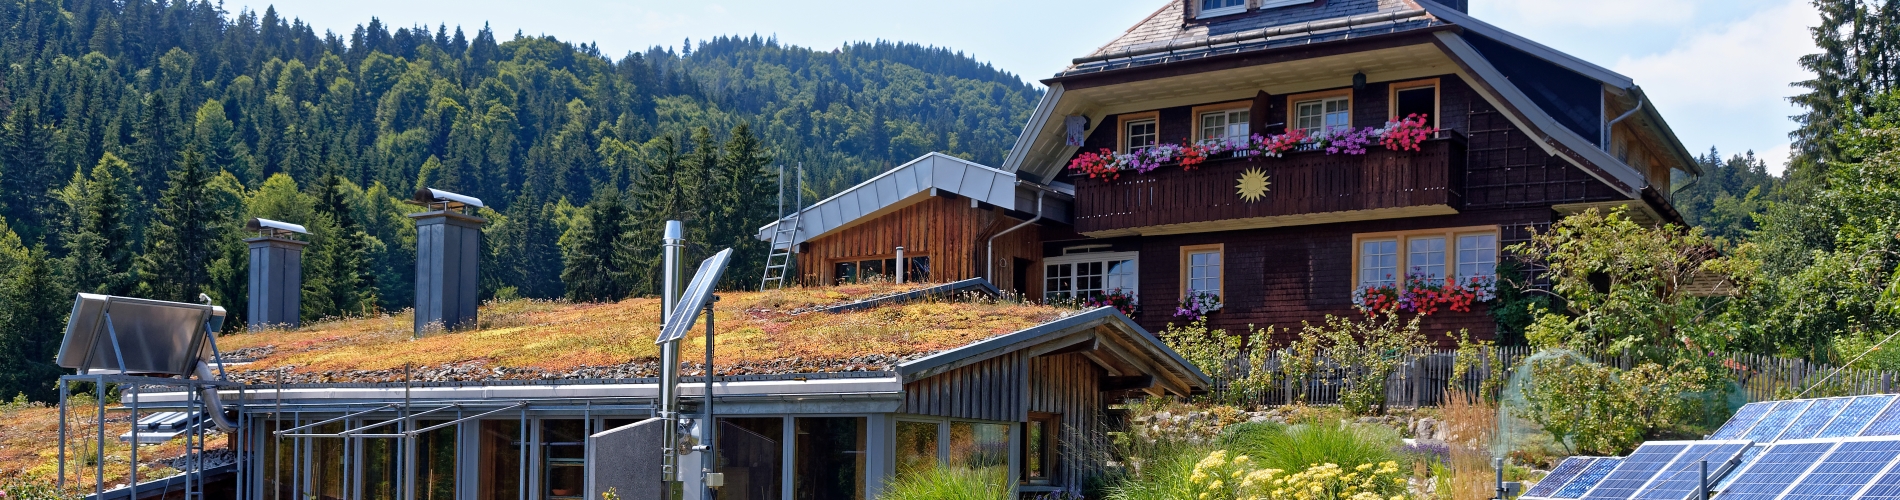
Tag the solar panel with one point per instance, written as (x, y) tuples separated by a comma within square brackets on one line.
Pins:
[(1744, 418), (1636, 471), (1856, 416), (1748, 458), (1558, 475), (1845, 471), (1777, 419), (1885, 488), (1887, 424), (1810, 422), (1591, 475), (1683, 477), (1777, 468)]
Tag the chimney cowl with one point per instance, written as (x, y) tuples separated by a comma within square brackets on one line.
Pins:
[(267, 228), (436, 199)]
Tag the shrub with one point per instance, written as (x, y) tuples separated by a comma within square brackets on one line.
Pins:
[(1302, 446), (948, 483), (1235, 362), (1594, 408), (1218, 477), (1370, 349)]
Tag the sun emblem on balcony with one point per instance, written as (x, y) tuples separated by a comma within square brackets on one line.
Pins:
[(1253, 185)]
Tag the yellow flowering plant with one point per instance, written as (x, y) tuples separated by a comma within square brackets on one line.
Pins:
[(1220, 477)]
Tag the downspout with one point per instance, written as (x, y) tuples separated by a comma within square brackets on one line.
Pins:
[(990, 248), (1612, 125)]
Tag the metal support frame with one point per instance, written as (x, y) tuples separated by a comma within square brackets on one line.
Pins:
[(195, 439)]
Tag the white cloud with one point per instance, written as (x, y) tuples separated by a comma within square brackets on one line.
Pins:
[(1730, 84), (1595, 13)]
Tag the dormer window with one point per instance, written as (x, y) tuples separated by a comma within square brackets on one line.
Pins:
[(1211, 8)]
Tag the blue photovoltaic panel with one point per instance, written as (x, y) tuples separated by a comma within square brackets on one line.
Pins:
[(1589, 478), (1856, 416), (1887, 424), (1810, 422), (1747, 459), (1885, 488), (1845, 471), (1559, 475), (1636, 471), (1743, 419), (1777, 419), (1684, 477), (1777, 468)]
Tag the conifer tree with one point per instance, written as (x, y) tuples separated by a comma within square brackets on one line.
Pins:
[(229, 271), (26, 170), (100, 251), (657, 199), (596, 254), (181, 243), (747, 199), (33, 308)]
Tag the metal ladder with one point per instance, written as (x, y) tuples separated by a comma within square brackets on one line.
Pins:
[(778, 257)]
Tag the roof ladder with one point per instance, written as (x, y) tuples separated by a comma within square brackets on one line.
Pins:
[(778, 257)]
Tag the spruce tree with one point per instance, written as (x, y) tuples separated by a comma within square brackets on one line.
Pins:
[(33, 307), (747, 200), (181, 243), (100, 253), (656, 199), (26, 170), (597, 260)]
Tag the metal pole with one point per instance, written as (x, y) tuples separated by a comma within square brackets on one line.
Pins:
[(901, 268), (63, 394), (99, 393), (1500, 468), (712, 449), (521, 445), (673, 244), (408, 444), (1704, 464), (134, 482)]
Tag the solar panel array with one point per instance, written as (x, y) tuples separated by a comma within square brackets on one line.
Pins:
[(1809, 449)]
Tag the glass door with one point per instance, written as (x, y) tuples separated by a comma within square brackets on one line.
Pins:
[(564, 448)]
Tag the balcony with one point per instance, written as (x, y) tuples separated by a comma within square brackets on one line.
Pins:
[(1305, 187)]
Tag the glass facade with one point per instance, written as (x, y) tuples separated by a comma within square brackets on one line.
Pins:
[(498, 460), (564, 459), (917, 444), (752, 456), (829, 454)]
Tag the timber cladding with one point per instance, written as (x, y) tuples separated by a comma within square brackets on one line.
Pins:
[(945, 228), (1009, 387)]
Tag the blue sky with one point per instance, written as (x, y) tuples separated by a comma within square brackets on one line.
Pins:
[(1717, 69)]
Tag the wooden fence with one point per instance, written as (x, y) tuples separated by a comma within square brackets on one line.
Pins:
[(1424, 377)]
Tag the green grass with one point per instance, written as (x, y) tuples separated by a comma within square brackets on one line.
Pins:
[(1295, 448), (948, 483)]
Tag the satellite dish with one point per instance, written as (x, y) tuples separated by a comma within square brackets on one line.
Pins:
[(686, 313)]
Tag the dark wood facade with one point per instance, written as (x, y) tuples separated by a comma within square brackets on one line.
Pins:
[(1494, 175), (945, 228)]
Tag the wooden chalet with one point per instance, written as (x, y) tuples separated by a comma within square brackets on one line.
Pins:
[(1524, 135)]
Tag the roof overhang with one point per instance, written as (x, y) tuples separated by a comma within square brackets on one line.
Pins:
[(900, 187), (1104, 329)]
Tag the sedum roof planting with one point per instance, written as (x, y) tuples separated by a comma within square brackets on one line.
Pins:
[(773, 332)]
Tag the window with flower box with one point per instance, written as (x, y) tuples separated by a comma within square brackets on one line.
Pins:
[(1319, 111), (1086, 275), (1138, 131), (1428, 255), (1223, 122)]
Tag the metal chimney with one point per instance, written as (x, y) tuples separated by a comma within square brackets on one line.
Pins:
[(448, 254), (276, 273), (673, 242)]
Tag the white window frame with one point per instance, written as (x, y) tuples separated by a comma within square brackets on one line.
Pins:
[(1231, 130), (1106, 258), (1231, 9), (1446, 257), (1268, 4), (1220, 268), (1403, 240), (1359, 260), (1128, 135), (1458, 271)]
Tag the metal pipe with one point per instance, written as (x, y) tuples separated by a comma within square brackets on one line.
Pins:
[(134, 449), (1704, 465), (1500, 468), (1612, 124), (901, 268), (712, 451), (214, 407), (672, 244), (63, 394), (990, 248)]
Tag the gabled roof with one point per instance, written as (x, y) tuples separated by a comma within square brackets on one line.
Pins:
[(1169, 37), (1104, 327), (900, 187)]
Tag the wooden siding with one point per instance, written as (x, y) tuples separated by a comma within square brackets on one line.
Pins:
[(945, 228), (1301, 184), (1286, 275), (988, 390), (1070, 385)]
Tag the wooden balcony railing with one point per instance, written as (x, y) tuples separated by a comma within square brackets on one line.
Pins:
[(1309, 187)]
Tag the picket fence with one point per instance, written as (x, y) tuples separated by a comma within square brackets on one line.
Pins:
[(1424, 377)]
